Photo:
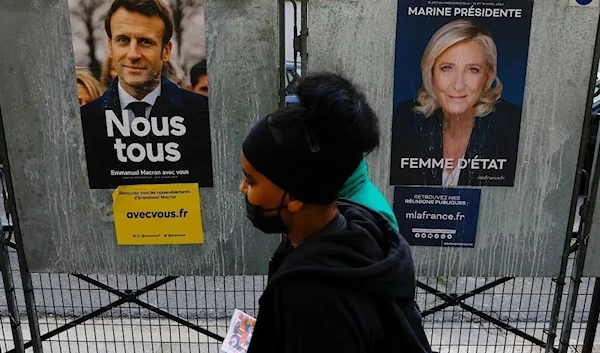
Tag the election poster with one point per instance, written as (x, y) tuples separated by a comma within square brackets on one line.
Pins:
[(459, 79), (440, 217), (143, 91), (158, 214)]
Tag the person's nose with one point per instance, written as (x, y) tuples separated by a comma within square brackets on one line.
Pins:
[(133, 53), (458, 82), (244, 187)]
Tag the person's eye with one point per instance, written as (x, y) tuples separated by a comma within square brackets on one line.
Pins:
[(446, 68), (474, 70)]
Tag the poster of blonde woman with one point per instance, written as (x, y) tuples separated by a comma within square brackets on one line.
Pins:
[(458, 91)]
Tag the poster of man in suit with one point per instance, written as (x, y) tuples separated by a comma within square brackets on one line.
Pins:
[(143, 121)]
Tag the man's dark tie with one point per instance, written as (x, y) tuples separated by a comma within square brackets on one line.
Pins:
[(138, 108)]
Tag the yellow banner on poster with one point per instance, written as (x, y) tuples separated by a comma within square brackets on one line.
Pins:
[(158, 214)]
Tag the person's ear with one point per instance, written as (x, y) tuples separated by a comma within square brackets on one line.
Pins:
[(109, 48), (294, 205), (166, 52)]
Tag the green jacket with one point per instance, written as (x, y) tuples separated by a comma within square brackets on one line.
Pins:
[(360, 189)]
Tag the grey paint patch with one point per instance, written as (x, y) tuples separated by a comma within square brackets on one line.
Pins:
[(68, 228), (521, 229)]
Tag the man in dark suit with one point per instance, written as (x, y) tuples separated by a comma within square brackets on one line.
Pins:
[(144, 129)]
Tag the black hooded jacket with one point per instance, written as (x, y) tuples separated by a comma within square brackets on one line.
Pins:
[(348, 289)]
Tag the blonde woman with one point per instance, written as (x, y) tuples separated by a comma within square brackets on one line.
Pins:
[(458, 131), (88, 88)]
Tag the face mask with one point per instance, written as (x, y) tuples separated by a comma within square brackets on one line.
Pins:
[(267, 224)]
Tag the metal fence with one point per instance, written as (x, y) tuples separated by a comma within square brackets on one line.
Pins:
[(126, 313)]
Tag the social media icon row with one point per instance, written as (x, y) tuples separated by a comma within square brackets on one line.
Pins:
[(433, 236)]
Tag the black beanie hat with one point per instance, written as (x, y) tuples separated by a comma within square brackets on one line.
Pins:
[(311, 147), (311, 175)]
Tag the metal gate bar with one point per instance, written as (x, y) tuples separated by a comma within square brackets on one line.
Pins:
[(9, 289), (591, 184), (124, 299), (456, 299), (587, 209), (452, 300), (10, 207), (134, 298), (592, 324)]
